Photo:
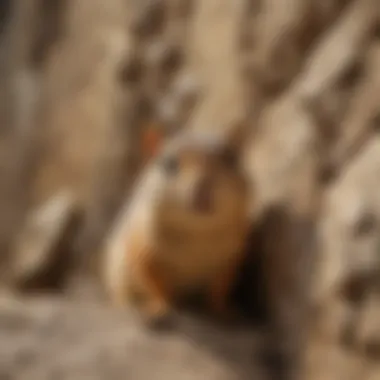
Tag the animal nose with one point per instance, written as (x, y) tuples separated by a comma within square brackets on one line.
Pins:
[(203, 195)]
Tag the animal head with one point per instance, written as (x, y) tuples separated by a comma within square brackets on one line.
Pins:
[(202, 180)]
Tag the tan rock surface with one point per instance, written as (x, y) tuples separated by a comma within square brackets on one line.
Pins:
[(81, 81)]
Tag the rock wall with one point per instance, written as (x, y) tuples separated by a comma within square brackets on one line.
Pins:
[(84, 81)]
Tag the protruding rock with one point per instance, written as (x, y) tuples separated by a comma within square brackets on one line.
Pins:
[(37, 246)]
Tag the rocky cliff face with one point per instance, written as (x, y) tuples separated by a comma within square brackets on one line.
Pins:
[(83, 81)]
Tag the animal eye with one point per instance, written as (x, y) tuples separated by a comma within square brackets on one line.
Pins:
[(230, 158), (170, 165)]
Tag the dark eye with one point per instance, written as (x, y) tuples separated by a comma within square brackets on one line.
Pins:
[(170, 165), (230, 158)]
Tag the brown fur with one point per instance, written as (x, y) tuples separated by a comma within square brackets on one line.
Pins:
[(163, 247)]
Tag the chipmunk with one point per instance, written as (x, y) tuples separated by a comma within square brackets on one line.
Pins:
[(184, 228)]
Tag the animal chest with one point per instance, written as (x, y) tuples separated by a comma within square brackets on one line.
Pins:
[(190, 260)]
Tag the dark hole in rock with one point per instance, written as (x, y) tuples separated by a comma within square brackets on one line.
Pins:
[(366, 224), (248, 296), (149, 18), (172, 59), (132, 72), (355, 288), (352, 75)]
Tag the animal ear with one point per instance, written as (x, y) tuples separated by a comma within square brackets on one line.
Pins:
[(151, 141)]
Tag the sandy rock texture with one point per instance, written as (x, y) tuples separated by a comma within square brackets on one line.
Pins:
[(47, 339), (82, 85)]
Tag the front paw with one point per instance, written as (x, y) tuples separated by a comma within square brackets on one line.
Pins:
[(158, 317)]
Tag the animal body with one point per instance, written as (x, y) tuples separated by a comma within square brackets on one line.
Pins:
[(184, 228)]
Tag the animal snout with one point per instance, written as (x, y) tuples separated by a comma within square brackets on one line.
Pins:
[(203, 195)]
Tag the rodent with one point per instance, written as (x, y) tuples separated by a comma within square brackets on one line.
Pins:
[(184, 227)]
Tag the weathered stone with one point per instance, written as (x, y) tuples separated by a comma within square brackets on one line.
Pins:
[(93, 75), (214, 59), (337, 50), (37, 245)]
